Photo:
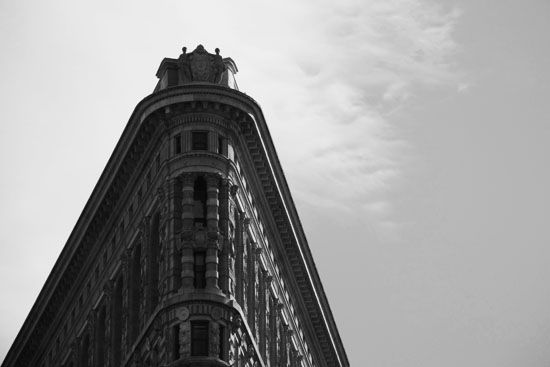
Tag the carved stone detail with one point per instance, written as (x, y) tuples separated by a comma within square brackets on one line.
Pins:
[(200, 66), (182, 314)]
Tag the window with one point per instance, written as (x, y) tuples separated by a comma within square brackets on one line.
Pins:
[(199, 338), (200, 269), (100, 338), (220, 145), (176, 352), (199, 140), (84, 351), (153, 259), (220, 341), (135, 288), (199, 201), (177, 144), (117, 322)]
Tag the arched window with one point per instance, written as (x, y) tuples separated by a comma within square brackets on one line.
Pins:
[(199, 201)]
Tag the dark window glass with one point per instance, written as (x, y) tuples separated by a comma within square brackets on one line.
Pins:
[(176, 331), (221, 341), (153, 259), (135, 286), (84, 351), (100, 338), (199, 140), (199, 338), (177, 144), (117, 322), (199, 201), (220, 145), (200, 269)]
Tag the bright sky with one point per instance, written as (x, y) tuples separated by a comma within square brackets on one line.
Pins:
[(414, 135)]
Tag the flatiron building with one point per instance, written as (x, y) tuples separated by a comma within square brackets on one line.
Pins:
[(189, 251)]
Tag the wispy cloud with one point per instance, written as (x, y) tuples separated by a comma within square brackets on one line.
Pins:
[(332, 101)]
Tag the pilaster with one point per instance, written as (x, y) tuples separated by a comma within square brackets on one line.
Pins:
[(224, 266), (124, 311), (212, 217), (187, 236), (265, 280), (170, 226), (239, 263)]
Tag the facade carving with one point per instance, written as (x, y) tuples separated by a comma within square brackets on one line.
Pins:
[(186, 272)]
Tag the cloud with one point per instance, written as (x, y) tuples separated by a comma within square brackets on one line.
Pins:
[(341, 71)]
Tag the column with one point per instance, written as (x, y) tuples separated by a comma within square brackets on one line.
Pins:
[(187, 273), (170, 225), (251, 296), (283, 359), (273, 321), (265, 279), (124, 320), (225, 239), (108, 291), (239, 274), (212, 232), (145, 239)]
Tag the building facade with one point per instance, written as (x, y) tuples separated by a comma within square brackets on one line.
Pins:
[(189, 251)]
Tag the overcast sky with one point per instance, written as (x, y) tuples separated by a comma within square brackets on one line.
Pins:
[(414, 135)]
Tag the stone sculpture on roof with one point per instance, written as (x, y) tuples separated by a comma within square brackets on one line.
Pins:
[(200, 66)]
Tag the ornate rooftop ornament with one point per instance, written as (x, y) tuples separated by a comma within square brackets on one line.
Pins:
[(199, 66)]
